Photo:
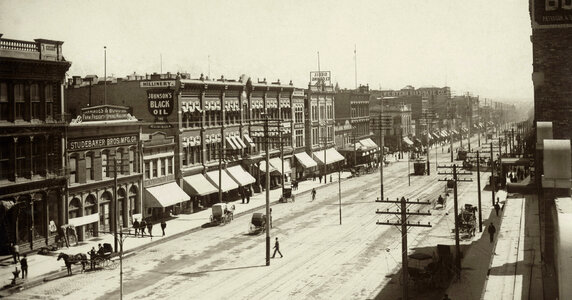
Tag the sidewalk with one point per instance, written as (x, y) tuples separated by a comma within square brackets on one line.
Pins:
[(510, 267), (46, 267)]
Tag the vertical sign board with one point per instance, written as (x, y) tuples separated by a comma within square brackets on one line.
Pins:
[(160, 103), (551, 13)]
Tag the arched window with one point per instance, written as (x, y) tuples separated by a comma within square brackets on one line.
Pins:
[(74, 208)]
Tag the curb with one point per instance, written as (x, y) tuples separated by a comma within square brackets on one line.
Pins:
[(46, 277)]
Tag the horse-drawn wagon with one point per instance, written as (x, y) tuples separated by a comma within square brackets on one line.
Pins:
[(468, 220), (257, 223), (100, 259)]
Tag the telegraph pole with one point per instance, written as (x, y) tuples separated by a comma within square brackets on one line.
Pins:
[(267, 183), (456, 207), (479, 191), (402, 224), (115, 204)]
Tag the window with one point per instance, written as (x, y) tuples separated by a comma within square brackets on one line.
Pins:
[(73, 169), (147, 170), (19, 99), (185, 156), (37, 161), (299, 114), (132, 167), (89, 166), (170, 166), (163, 166), (21, 169), (118, 163), (314, 113), (315, 136), (105, 164), (49, 96), (299, 137), (4, 105), (322, 112), (5, 158), (35, 100), (155, 166)]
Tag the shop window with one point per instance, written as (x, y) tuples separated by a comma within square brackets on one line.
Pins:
[(4, 104)]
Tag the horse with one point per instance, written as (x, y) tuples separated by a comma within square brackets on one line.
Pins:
[(72, 260)]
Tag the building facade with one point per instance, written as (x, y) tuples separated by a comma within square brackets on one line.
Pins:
[(32, 126)]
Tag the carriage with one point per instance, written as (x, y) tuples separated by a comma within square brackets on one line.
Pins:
[(257, 223), (468, 220), (287, 193), (102, 259), (419, 167), (222, 213)]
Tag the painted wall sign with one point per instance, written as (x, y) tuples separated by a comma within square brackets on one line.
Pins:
[(160, 102), (157, 83), (551, 13), (105, 113), (94, 143)]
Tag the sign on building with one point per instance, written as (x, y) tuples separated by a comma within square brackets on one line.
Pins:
[(551, 13), (324, 77), (160, 103), (157, 83)]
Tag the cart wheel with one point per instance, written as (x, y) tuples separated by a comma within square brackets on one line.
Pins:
[(98, 262), (112, 264)]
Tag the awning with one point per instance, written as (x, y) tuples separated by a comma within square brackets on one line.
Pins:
[(519, 161), (249, 140), (332, 156), (444, 133), (227, 182), (231, 144), (276, 162), (198, 185), (305, 160), (240, 175), (417, 140), (407, 140), (79, 221), (263, 167), (238, 141), (368, 145), (164, 195)]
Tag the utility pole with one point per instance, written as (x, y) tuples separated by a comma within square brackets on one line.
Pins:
[(105, 77), (382, 127), (456, 207), (428, 116), (479, 191), (403, 224), (115, 204), (267, 183)]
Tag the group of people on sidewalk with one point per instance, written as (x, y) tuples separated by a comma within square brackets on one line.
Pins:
[(23, 262), (141, 226)]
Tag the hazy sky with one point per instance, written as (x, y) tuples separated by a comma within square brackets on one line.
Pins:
[(480, 46)]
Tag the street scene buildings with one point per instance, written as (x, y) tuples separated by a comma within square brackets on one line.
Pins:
[(475, 189)]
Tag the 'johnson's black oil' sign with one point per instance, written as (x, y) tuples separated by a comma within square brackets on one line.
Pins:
[(160, 102)]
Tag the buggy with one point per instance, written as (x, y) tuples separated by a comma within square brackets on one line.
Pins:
[(287, 193), (222, 213), (257, 223), (103, 258), (419, 167), (467, 220)]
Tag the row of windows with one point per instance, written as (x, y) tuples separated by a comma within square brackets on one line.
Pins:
[(126, 164), (324, 112), (158, 167), (32, 156), (14, 98)]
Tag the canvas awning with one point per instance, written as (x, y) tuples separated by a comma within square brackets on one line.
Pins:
[(240, 175), (407, 140), (227, 183), (331, 156), (164, 195), (238, 141), (276, 163), (198, 185), (262, 167), (249, 141), (230, 143), (305, 160)]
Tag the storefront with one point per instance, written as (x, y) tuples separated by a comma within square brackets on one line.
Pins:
[(200, 190), (163, 200), (305, 165)]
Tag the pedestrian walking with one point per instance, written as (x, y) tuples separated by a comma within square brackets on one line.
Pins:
[(163, 226), (24, 266), (330, 177), (313, 194), (136, 226), (241, 192), (92, 257), (15, 252), (492, 229), (142, 226), (150, 228), (320, 178), (248, 194), (497, 208), (277, 249)]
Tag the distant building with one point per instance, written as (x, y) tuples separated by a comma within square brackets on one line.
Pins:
[(32, 127)]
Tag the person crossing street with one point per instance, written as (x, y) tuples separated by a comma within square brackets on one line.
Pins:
[(277, 249)]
